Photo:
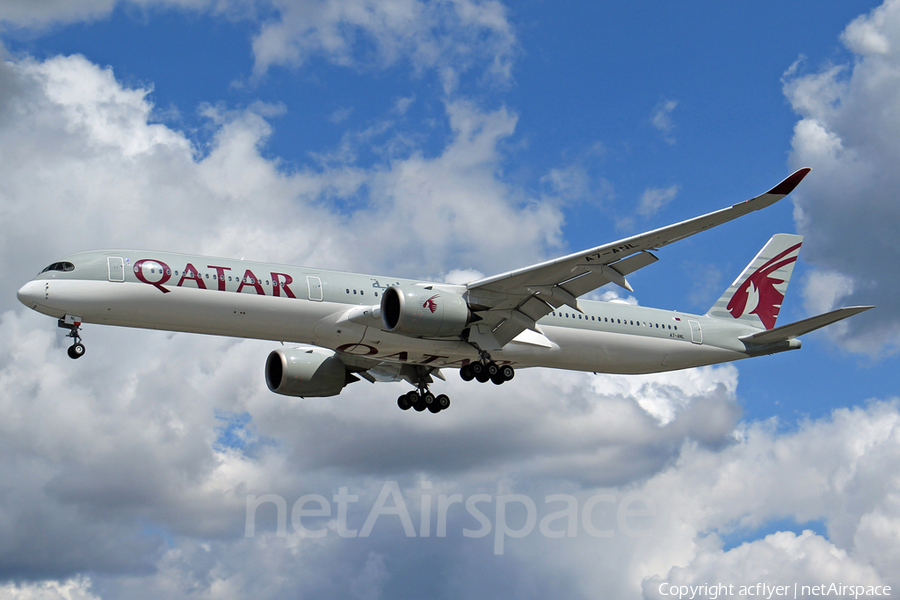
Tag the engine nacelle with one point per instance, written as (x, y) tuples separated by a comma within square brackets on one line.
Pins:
[(306, 372), (421, 312)]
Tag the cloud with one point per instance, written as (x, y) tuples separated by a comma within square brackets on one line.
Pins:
[(446, 37), (662, 119), (449, 38), (47, 13), (340, 115), (654, 199), (847, 207), (77, 588), (769, 476), (402, 104)]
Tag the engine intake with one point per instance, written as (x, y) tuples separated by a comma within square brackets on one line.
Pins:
[(422, 312), (306, 372)]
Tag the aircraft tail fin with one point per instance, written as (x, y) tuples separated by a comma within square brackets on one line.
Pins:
[(755, 297)]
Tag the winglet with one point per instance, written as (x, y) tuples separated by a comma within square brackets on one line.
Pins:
[(787, 186)]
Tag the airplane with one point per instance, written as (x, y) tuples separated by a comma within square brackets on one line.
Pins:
[(349, 326)]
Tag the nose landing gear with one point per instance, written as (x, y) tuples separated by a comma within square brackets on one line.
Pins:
[(73, 324)]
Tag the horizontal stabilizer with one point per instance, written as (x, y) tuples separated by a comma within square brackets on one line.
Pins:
[(787, 332)]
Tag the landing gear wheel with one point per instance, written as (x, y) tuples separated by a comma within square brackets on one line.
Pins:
[(483, 377), (443, 401), (507, 372), (428, 398), (403, 403), (434, 408), (419, 405), (477, 368), (492, 369), (73, 324), (466, 373), (76, 350), (497, 379)]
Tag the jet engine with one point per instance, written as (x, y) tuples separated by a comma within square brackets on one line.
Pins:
[(306, 372), (423, 312)]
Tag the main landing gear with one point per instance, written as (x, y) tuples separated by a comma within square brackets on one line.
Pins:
[(487, 370), (73, 324), (421, 399), (483, 370)]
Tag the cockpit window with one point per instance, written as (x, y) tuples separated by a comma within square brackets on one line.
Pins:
[(60, 266)]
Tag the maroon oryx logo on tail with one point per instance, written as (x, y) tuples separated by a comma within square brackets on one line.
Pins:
[(430, 304), (758, 294)]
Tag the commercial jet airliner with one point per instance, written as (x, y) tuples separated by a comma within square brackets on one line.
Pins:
[(350, 326)]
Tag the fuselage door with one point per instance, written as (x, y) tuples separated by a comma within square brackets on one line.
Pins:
[(116, 268), (315, 288), (696, 332)]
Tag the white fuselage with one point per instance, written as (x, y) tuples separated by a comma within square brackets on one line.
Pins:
[(196, 294)]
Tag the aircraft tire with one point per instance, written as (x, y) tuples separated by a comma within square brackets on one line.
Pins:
[(443, 401), (483, 377), (76, 350), (465, 372), (492, 369), (507, 372), (497, 379), (419, 405), (434, 408), (403, 403)]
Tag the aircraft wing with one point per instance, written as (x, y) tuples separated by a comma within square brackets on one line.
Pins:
[(512, 302)]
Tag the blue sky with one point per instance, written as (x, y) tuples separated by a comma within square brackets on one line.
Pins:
[(415, 139)]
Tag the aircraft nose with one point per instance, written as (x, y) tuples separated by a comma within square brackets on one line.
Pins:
[(30, 293)]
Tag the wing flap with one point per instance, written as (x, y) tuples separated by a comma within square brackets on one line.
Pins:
[(787, 332)]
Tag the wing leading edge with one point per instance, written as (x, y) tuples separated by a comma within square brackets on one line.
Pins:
[(512, 302)]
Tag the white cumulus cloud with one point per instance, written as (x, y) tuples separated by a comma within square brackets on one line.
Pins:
[(848, 133)]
